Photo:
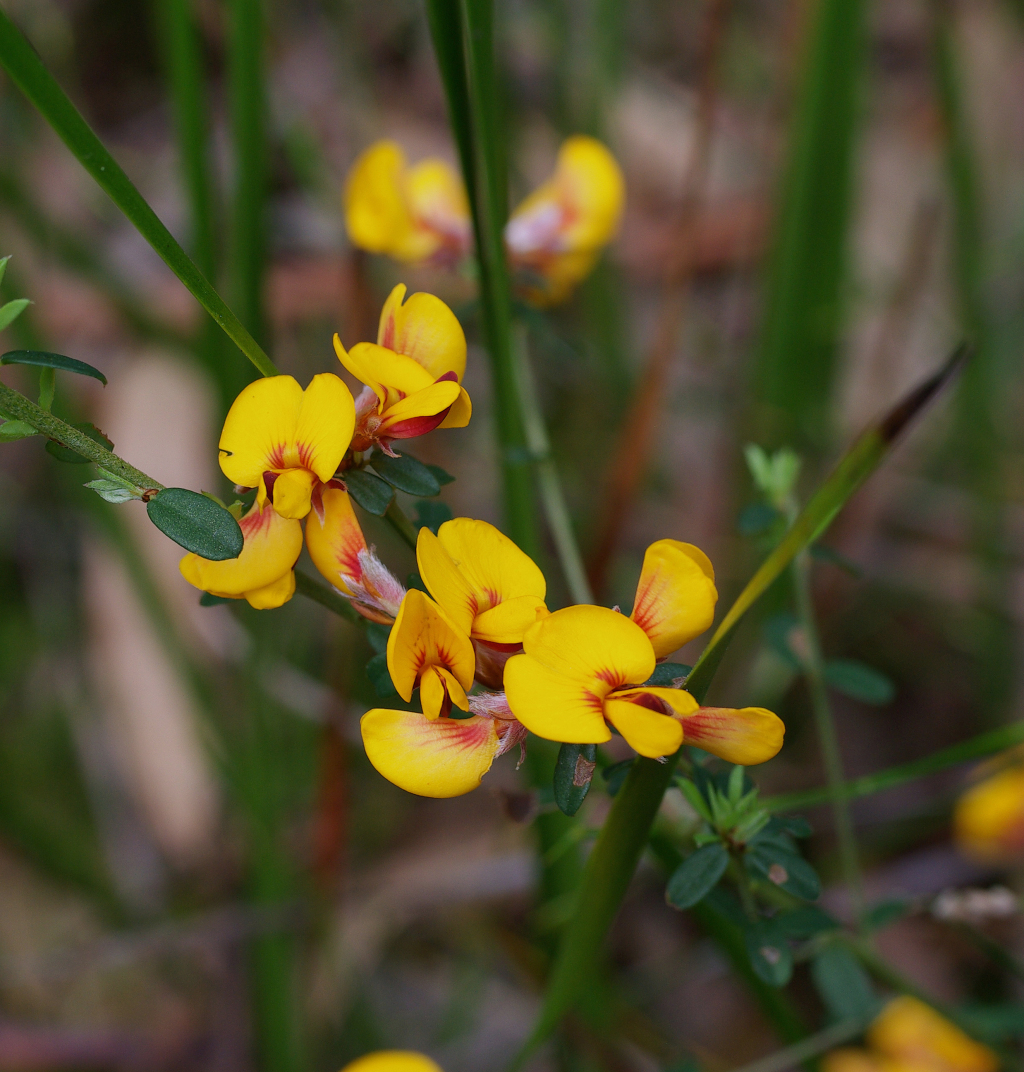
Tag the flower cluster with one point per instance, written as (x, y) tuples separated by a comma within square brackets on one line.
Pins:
[(293, 447), (553, 239)]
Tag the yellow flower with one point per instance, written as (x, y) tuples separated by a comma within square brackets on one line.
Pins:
[(411, 214), (264, 572), (910, 1032), (282, 440), (556, 235), (426, 649), (413, 372), (392, 1061), (583, 668), (988, 821)]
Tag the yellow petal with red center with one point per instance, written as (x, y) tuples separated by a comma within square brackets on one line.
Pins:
[(508, 621), (435, 683), (271, 548), (676, 595), (443, 757), (292, 491), (392, 376), (400, 419), (988, 821), (592, 644), (438, 201), (648, 732), (392, 1061), (259, 430), (273, 595), (908, 1030), (554, 706), (327, 419), (450, 589), (748, 736), (334, 543), (425, 329), (423, 636)]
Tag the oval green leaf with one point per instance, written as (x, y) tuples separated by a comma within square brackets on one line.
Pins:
[(380, 677), (697, 876), (407, 474), (196, 523), (11, 311), (12, 430), (54, 361), (574, 770), (666, 674), (372, 494), (786, 869), (859, 681), (843, 985), (769, 952)]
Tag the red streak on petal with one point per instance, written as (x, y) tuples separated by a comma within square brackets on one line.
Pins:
[(646, 699), (412, 426), (447, 376)]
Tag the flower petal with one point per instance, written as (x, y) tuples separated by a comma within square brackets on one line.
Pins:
[(450, 589), (442, 757), (910, 1032), (438, 201), (272, 546), (554, 706), (273, 595), (508, 621), (675, 701), (425, 329), (335, 540), (431, 401), (424, 636), (648, 732), (327, 420), (436, 683), (676, 595), (747, 736), (259, 429), (392, 1061), (392, 376), (460, 413), (292, 492), (988, 820), (592, 644)]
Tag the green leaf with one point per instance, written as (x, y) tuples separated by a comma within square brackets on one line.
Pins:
[(407, 474), (794, 825), (757, 518), (696, 798), (380, 677), (3, 266), (43, 359), (666, 675), (697, 875), (777, 631), (12, 430), (440, 475), (615, 774), (805, 922), (432, 515), (11, 311), (769, 952), (196, 523), (208, 599), (574, 770), (823, 553), (377, 635), (72, 457), (372, 494), (112, 491), (844, 986), (884, 913), (859, 681), (786, 869)]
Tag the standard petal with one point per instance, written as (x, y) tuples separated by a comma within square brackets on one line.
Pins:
[(590, 180), (272, 546), (592, 644), (508, 621), (423, 636), (392, 376), (648, 732), (445, 583), (443, 757), (335, 540), (676, 595), (273, 595), (259, 430), (292, 492), (748, 736), (554, 706), (425, 329), (392, 1061), (327, 420)]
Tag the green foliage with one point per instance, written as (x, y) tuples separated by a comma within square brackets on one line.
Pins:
[(45, 360), (574, 770), (769, 952), (668, 675), (407, 474), (844, 986), (860, 682), (369, 491), (697, 875), (380, 678), (196, 523)]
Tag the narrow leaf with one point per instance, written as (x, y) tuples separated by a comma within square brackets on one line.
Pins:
[(53, 361), (859, 681), (697, 875), (805, 922), (440, 475), (407, 474), (196, 523), (12, 430), (615, 774), (111, 491), (574, 770), (372, 494), (432, 515), (12, 310), (843, 985)]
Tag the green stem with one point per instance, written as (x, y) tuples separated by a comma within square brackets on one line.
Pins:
[(814, 670), (26, 69), (812, 1046), (320, 593), (396, 517), (17, 407), (985, 744), (549, 484)]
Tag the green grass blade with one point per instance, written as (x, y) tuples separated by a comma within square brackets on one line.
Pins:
[(808, 265), (27, 71)]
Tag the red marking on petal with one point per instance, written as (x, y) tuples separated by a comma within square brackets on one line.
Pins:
[(610, 677), (269, 480), (646, 699), (447, 376), (413, 426)]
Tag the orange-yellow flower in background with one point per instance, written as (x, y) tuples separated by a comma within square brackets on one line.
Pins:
[(413, 372), (488, 587), (675, 596), (909, 1036), (283, 440), (426, 649), (392, 1061), (988, 821), (409, 213), (264, 572), (556, 235)]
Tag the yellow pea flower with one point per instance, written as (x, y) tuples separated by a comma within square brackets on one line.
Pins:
[(988, 821), (264, 572), (912, 1033), (410, 213), (556, 235), (392, 1061), (282, 440), (425, 648), (441, 757), (675, 596), (413, 372)]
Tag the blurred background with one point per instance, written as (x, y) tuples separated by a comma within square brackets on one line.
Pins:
[(198, 867)]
